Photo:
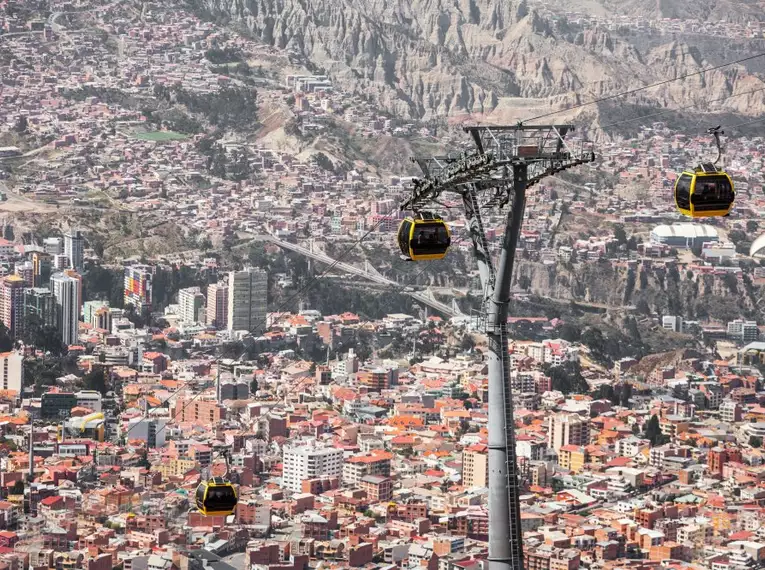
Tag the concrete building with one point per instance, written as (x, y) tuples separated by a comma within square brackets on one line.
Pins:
[(672, 323), (743, 331), (12, 369), (247, 292), (310, 462), (53, 246), (74, 249), (65, 293), (684, 235), (150, 430), (475, 466), (74, 275), (39, 305), (231, 389), (12, 304), (42, 265), (26, 270), (567, 429), (190, 301), (217, 305), (102, 319), (138, 286), (89, 399), (90, 307)]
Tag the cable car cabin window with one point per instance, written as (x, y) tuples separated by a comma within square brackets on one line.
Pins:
[(220, 498), (403, 236), (712, 193), (200, 496), (683, 192), (430, 239)]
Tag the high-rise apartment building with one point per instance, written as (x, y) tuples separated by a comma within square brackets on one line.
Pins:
[(40, 306), (26, 270), (567, 429), (217, 305), (12, 372), (74, 249), (138, 286), (65, 293), (310, 462), (12, 304), (247, 292), (475, 466), (42, 264), (74, 275), (190, 301)]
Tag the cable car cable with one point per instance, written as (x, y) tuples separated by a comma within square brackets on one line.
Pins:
[(676, 109), (644, 88)]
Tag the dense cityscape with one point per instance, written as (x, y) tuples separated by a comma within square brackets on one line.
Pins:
[(168, 317)]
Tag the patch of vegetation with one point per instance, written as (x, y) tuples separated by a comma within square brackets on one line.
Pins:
[(224, 55), (232, 107)]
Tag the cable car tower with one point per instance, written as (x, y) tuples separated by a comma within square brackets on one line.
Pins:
[(507, 161)]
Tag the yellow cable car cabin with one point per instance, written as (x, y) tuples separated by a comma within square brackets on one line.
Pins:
[(216, 497), (705, 192), (424, 236)]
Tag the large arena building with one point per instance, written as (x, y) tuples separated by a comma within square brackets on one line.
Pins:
[(684, 235)]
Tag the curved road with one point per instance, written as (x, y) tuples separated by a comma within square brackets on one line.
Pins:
[(424, 298)]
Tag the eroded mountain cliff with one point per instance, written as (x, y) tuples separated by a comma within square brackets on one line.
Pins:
[(423, 58)]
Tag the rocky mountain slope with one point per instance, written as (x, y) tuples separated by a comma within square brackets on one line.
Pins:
[(501, 58)]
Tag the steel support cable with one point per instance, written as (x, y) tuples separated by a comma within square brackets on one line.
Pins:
[(644, 88), (264, 325), (683, 108)]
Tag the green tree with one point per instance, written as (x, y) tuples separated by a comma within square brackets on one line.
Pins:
[(606, 392), (620, 234), (755, 441), (144, 461), (21, 124), (653, 430), (95, 380), (322, 161), (568, 378), (6, 341)]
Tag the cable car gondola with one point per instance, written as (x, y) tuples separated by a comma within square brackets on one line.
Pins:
[(423, 236), (216, 496), (705, 191)]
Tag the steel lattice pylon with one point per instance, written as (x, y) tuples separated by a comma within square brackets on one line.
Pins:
[(506, 162)]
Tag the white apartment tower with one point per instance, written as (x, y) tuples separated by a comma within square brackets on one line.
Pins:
[(66, 296), (12, 370), (190, 300), (567, 429), (309, 462), (74, 249), (247, 292)]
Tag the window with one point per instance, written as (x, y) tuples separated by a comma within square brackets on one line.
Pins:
[(683, 192), (712, 193)]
